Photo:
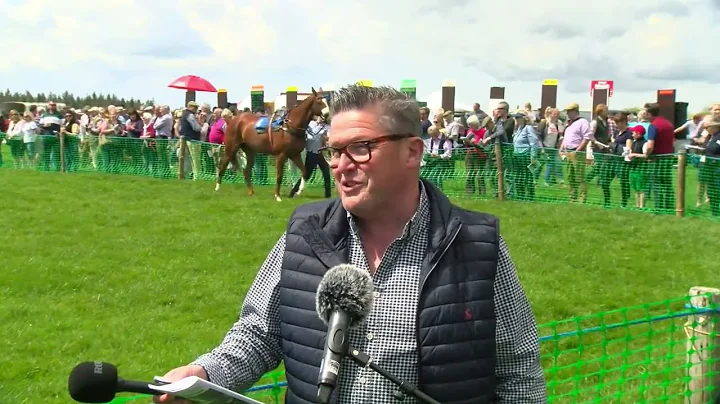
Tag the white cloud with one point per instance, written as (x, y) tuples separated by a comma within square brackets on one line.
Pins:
[(135, 48), (235, 33)]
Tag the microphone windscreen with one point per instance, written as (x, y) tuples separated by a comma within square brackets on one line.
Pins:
[(348, 288), (93, 382)]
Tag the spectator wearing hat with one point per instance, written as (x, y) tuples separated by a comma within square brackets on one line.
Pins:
[(712, 165), (639, 153), (437, 157), (453, 129), (524, 159), (190, 129), (661, 138), (576, 138), (503, 128)]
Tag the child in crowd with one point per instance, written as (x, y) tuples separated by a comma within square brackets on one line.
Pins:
[(638, 165)]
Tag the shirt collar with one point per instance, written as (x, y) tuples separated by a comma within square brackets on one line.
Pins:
[(419, 220)]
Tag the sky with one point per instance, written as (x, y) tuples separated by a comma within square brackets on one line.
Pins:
[(136, 48)]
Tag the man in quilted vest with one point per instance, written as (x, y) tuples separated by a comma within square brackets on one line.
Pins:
[(449, 313)]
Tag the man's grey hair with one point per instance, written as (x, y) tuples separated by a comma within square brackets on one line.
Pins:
[(399, 114)]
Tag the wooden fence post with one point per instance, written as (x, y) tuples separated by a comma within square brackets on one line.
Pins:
[(703, 346), (500, 169), (181, 158), (61, 138), (681, 172)]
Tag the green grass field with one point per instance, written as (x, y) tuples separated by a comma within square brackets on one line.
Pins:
[(147, 274)]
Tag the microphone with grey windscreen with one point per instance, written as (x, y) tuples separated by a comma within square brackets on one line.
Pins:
[(344, 299)]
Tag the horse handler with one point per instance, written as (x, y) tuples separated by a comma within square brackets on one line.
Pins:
[(316, 135)]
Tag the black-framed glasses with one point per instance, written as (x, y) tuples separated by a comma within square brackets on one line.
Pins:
[(360, 152)]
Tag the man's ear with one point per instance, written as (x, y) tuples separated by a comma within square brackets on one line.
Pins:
[(415, 150)]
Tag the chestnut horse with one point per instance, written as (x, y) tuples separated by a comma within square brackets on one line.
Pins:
[(285, 142)]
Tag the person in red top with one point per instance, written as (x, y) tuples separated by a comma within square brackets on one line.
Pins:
[(475, 157), (660, 145)]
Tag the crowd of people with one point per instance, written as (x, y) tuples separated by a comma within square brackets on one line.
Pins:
[(553, 148), (636, 149), (105, 138)]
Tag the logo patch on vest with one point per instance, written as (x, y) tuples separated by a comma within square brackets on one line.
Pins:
[(468, 314)]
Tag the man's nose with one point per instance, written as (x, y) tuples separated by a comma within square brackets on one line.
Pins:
[(343, 164)]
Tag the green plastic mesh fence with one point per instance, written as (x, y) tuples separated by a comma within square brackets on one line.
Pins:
[(608, 180), (664, 352), (642, 354)]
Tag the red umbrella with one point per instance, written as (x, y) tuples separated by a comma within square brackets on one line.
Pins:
[(193, 83)]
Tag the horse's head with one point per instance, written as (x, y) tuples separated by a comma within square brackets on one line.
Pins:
[(318, 102), (300, 115)]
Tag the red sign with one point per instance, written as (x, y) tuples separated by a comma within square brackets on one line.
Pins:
[(602, 85)]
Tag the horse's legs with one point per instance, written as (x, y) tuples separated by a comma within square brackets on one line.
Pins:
[(280, 160), (234, 161), (227, 156), (249, 162), (297, 160)]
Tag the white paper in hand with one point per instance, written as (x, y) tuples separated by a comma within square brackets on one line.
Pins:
[(626, 153), (200, 391)]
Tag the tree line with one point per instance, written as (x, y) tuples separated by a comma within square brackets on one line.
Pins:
[(74, 101)]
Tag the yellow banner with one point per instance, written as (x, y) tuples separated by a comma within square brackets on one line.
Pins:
[(448, 83), (365, 83), (222, 90), (550, 82), (291, 89)]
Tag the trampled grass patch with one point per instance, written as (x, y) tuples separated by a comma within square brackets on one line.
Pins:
[(147, 274)]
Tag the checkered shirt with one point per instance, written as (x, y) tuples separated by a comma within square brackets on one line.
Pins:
[(613, 130), (253, 345)]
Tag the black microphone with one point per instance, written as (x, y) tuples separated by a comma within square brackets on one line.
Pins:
[(344, 299), (97, 382)]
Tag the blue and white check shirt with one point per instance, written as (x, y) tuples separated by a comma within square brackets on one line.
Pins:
[(252, 347)]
